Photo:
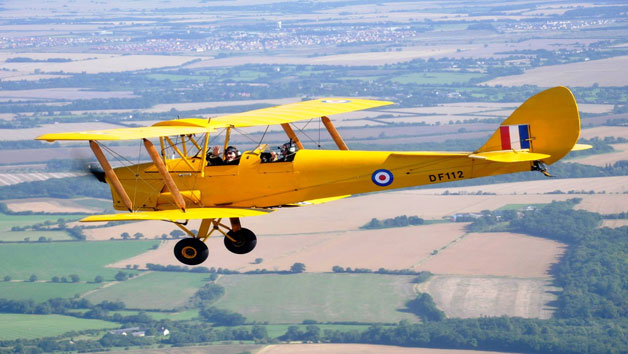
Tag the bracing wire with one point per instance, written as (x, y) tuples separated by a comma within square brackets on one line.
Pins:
[(319, 132), (304, 133), (263, 135), (137, 173)]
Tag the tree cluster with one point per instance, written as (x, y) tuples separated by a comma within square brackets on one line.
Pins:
[(424, 307), (398, 221)]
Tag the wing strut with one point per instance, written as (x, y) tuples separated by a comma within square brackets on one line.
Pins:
[(111, 175), (334, 133), (288, 129), (163, 171)]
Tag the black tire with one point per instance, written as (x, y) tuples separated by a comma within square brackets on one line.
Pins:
[(191, 251), (245, 241)]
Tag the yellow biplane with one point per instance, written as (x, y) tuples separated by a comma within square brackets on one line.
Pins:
[(540, 132)]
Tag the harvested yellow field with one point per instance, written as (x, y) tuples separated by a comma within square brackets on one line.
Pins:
[(201, 105), (301, 348), (32, 133), (19, 76), (103, 64), (371, 249), (616, 184), (50, 205), (594, 108), (602, 132), (613, 223), (496, 254), (298, 348), (7, 179), (63, 94), (476, 296), (461, 108), (207, 349), (150, 230), (602, 160), (604, 203), (354, 59), (605, 72), (45, 56)]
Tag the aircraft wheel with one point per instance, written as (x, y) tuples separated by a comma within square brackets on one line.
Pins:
[(245, 241), (191, 251)]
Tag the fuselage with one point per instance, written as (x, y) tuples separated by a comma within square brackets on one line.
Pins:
[(314, 174)]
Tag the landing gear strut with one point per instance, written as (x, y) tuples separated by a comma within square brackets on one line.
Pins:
[(193, 251)]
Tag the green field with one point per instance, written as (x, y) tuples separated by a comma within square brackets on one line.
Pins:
[(174, 316), (86, 259), (18, 326), (278, 330), (42, 291), (153, 290), (94, 203), (33, 236), (8, 221), (173, 77), (158, 315), (247, 75), (321, 297), (520, 206), (436, 78)]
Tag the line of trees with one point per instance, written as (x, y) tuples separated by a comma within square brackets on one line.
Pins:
[(397, 221)]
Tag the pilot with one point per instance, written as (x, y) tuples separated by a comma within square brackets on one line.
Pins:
[(232, 156), (287, 152)]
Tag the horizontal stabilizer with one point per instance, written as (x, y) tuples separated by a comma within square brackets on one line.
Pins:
[(580, 147), (176, 214), (508, 156)]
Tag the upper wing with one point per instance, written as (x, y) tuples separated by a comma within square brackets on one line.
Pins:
[(296, 111), (127, 133), (266, 116), (176, 214)]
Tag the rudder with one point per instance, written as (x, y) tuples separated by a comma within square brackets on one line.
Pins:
[(547, 123)]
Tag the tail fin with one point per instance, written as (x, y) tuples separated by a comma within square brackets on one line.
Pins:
[(547, 125)]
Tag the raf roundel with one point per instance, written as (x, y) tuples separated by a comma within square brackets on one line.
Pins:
[(382, 177)]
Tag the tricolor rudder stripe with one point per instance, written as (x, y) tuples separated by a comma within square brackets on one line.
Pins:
[(515, 137)]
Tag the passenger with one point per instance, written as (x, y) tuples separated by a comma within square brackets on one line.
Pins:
[(232, 156), (287, 152)]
